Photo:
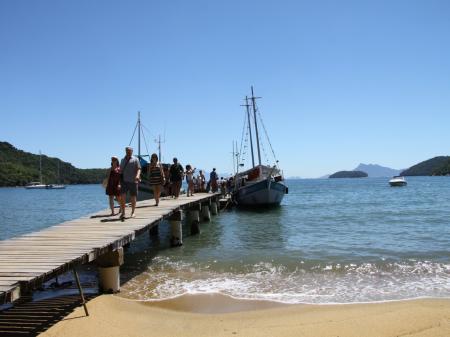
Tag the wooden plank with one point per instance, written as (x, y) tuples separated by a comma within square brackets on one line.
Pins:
[(15, 278)]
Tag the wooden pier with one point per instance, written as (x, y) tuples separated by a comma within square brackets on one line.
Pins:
[(31, 259)]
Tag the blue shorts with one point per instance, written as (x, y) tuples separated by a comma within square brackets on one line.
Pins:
[(129, 187)]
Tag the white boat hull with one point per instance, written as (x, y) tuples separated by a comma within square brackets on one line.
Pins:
[(36, 187), (45, 187), (397, 181)]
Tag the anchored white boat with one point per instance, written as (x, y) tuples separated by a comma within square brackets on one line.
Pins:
[(35, 185), (38, 185), (56, 186), (262, 185), (397, 181)]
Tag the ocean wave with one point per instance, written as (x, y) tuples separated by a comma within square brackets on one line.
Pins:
[(315, 284)]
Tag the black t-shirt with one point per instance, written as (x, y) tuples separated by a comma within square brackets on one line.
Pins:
[(176, 172)]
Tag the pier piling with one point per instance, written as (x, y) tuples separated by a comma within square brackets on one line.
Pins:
[(206, 214), (214, 209), (109, 270), (194, 221), (176, 230)]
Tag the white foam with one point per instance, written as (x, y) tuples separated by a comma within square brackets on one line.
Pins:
[(321, 284)]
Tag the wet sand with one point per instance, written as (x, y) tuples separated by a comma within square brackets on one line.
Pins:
[(191, 316)]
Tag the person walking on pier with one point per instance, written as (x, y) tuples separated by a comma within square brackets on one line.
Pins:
[(190, 179), (113, 184), (201, 181), (213, 180), (176, 173), (156, 177), (130, 168)]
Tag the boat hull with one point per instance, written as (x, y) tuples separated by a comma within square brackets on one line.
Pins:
[(56, 187), (36, 187), (260, 194), (397, 183), (145, 191)]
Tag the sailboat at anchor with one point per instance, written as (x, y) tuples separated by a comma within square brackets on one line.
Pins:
[(261, 185), (38, 185)]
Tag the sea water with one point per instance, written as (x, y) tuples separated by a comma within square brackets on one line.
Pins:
[(331, 241)]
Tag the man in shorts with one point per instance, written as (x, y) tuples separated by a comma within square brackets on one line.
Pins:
[(176, 173), (130, 169)]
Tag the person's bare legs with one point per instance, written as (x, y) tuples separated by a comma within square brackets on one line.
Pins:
[(119, 201), (111, 204), (133, 204), (157, 193), (177, 189), (123, 197)]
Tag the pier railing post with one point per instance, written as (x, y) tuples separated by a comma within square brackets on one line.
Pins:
[(176, 238), (80, 289)]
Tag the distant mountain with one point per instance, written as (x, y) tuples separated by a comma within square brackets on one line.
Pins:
[(374, 170), (431, 167), (17, 168), (349, 174)]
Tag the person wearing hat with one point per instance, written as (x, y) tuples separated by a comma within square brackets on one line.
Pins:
[(113, 183), (176, 173)]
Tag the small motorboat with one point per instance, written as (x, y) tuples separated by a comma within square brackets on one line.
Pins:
[(397, 181)]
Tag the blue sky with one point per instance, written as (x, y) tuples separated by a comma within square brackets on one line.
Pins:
[(342, 82)]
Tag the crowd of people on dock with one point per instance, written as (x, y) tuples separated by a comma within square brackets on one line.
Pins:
[(124, 177)]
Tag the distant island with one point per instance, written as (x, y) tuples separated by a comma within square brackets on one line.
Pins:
[(437, 166), (349, 174), (376, 171), (17, 168)]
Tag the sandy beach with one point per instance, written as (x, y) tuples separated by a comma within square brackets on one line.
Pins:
[(191, 316)]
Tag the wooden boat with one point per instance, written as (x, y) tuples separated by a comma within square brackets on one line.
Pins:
[(260, 185)]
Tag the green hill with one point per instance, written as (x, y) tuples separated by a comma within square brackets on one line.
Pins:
[(18, 168), (349, 174), (436, 166)]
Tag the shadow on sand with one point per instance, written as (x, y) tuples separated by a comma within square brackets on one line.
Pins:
[(33, 318)]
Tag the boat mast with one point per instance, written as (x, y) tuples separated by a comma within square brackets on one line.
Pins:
[(249, 129), (40, 167), (256, 126), (234, 167), (159, 148), (139, 134), (237, 158)]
